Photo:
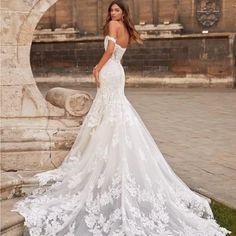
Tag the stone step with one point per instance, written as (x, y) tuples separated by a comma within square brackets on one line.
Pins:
[(16, 184), (12, 223)]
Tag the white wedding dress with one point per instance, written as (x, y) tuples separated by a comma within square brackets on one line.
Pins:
[(114, 180)]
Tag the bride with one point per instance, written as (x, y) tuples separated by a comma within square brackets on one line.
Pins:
[(114, 180)]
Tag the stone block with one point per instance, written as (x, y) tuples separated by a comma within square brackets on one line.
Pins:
[(20, 6), (25, 34), (26, 146), (181, 69), (64, 123), (16, 75), (11, 23), (31, 105), (19, 140), (218, 71), (24, 133), (11, 101), (12, 223), (15, 64), (26, 101), (13, 123), (35, 160)]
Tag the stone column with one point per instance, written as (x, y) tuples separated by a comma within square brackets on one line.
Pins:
[(232, 56), (177, 11), (74, 14), (77, 8), (155, 11), (136, 5), (53, 21), (99, 16)]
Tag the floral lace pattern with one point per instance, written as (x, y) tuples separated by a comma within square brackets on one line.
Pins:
[(115, 181)]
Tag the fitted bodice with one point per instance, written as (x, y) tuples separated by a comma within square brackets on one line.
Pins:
[(112, 76), (118, 51)]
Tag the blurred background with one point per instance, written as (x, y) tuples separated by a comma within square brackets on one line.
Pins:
[(188, 43)]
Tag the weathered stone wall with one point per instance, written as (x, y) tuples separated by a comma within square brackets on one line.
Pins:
[(209, 57), (88, 15), (182, 52), (33, 131)]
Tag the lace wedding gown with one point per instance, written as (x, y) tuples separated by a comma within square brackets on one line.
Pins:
[(114, 180)]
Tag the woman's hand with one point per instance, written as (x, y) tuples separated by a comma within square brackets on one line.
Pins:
[(96, 76)]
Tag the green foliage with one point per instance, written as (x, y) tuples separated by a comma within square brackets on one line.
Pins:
[(224, 216)]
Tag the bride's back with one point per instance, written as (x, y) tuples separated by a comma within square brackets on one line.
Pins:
[(123, 36)]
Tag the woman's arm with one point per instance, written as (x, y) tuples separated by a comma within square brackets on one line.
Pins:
[(113, 29)]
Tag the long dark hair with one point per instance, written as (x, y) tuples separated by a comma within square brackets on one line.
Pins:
[(133, 33)]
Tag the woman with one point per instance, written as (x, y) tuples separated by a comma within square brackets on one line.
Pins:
[(115, 181)]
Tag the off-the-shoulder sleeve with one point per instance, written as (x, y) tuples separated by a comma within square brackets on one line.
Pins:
[(111, 38)]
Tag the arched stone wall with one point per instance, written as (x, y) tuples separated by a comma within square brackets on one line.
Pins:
[(35, 135), (20, 95)]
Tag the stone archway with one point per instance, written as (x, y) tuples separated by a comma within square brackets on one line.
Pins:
[(20, 95), (36, 135)]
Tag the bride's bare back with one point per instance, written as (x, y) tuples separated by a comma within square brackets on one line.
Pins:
[(122, 36)]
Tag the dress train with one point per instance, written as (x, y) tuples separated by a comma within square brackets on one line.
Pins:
[(114, 180)]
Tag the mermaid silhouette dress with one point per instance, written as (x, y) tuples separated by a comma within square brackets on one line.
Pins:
[(114, 181)]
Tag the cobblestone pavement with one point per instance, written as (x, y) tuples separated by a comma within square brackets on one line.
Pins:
[(195, 130)]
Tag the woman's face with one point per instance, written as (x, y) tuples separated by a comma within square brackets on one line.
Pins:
[(116, 12)]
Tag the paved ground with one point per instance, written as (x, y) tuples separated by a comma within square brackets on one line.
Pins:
[(196, 131)]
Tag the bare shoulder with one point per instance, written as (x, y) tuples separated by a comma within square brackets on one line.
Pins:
[(113, 24)]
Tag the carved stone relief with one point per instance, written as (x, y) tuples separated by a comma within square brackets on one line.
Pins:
[(208, 12)]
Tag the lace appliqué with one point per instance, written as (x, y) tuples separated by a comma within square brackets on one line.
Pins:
[(95, 220)]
